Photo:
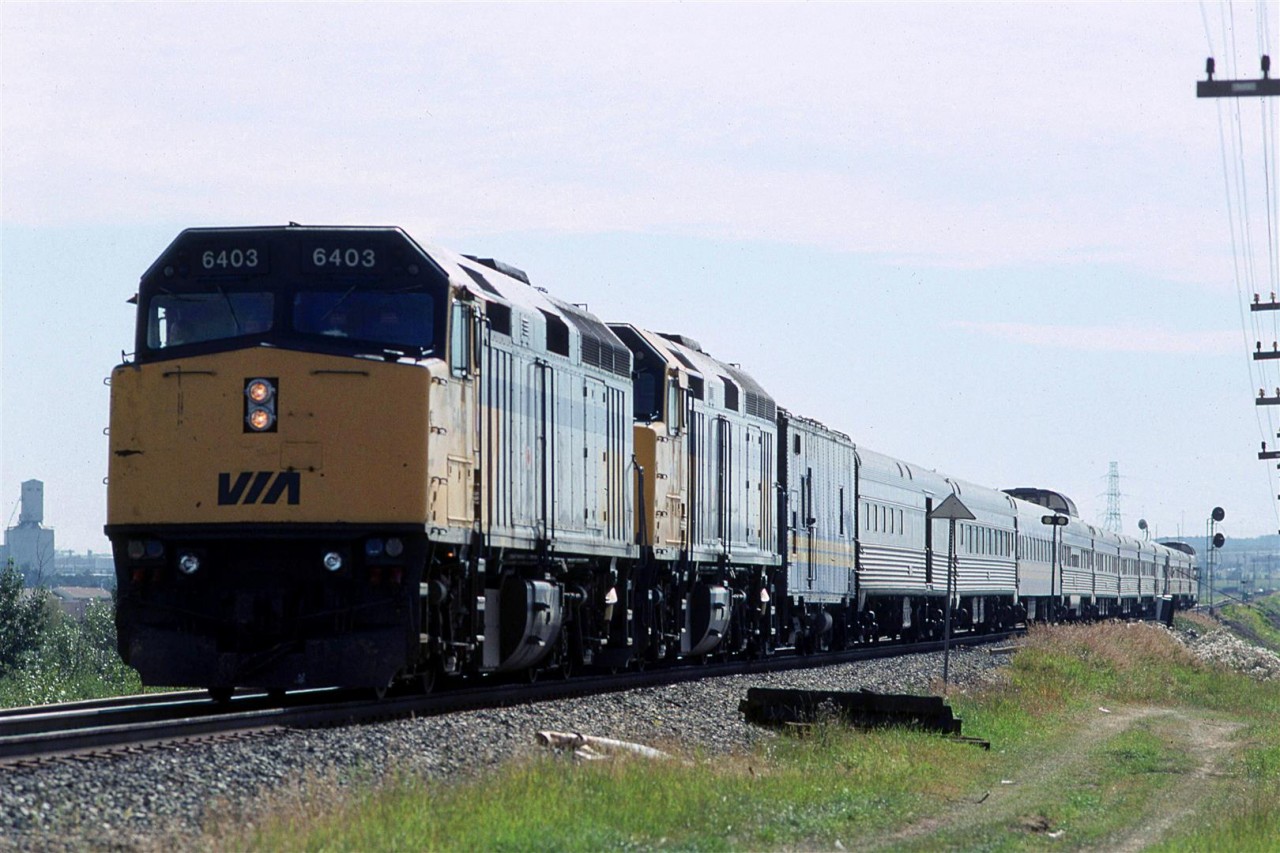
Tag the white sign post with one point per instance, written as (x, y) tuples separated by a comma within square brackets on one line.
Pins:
[(950, 509)]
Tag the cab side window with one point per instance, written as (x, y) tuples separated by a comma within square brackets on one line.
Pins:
[(460, 340)]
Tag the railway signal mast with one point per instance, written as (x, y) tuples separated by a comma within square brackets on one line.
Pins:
[(1213, 541)]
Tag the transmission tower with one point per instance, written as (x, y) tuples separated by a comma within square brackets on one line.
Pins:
[(1113, 520)]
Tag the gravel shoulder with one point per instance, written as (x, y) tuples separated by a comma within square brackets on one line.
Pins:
[(163, 796), (160, 798)]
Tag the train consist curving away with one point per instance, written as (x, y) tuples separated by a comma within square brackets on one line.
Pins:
[(341, 458)]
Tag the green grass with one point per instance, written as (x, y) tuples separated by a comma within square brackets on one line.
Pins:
[(1108, 788), (830, 785), (1247, 815), (1260, 618), (904, 790)]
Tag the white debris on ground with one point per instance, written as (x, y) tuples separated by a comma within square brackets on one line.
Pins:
[(1223, 648)]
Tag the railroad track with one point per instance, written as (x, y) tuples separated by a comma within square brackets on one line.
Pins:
[(111, 726)]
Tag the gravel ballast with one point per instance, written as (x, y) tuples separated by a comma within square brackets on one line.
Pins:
[(139, 800)]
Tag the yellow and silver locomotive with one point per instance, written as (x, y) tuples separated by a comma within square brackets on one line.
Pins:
[(341, 458)]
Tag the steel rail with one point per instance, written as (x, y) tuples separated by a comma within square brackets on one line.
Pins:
[(108, 702), (138, 709)]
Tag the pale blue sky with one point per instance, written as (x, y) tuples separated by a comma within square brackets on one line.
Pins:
[(991, 239)]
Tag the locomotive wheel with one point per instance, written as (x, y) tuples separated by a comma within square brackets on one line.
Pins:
[(276, 695), (221, 695), (426, 681)]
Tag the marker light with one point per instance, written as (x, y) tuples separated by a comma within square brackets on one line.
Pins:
[(333, 561), (137, 549), (373, 547), (189, 563)]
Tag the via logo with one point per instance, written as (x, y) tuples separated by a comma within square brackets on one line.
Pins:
[(267, 487)]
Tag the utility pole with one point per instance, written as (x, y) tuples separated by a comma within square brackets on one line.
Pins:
[(1263, 87)]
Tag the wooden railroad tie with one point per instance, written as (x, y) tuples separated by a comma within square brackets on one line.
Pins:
[(864, 709)]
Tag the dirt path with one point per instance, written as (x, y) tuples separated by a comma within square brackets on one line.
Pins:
[(1015, 803), (1209, 746)]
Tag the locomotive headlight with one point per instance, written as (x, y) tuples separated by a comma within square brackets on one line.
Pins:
[(189, 563), (333, 561), (259, 391), (260, 418), (395, 547), (137, 549), (260, 401)]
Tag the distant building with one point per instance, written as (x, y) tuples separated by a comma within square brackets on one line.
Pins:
[(31, 547), (74, 599), (30, 544), (90, 565)]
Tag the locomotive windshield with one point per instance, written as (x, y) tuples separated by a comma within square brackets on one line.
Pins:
[(189, 318), (387, 322), (396, 320)]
